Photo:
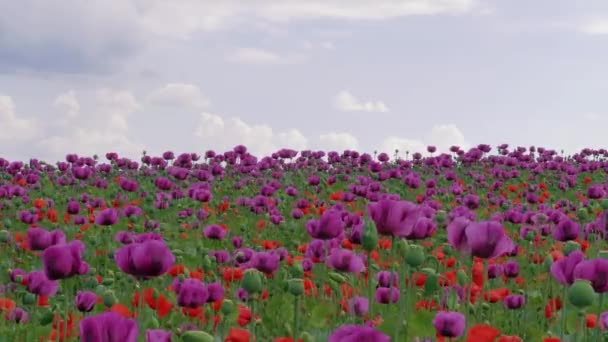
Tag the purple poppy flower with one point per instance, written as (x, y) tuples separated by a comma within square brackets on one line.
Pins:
[(351, 332), (151, 258), (563, 269), (358, 306), (265, 262), (85, 301), (484, 239), (192, 293), (40, 239), (449, 324), (328, 227), (108, 327), (345, 260), (513, 302), (595, 271), (215, 232), (158, 335), (566, 230), (39, 284), (107, 217), (64, 261), (18, 315), (386, 295)]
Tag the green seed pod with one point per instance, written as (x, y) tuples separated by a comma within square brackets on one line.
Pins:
[(29, 299), (369, 239), (295, 286), (462, 278), (307, 337), (252, 281), (197, 336), (440, 217), (108, 281), (227, 307), (581, 294), (337, 277), (46, 317), (604, 204), (4, 236), (582, 214), (414, 256), (570, 247), (109, 298), (431, 284)]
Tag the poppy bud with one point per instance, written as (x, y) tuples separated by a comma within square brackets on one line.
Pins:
[(29, 299), (337, 277), (227, 307), (107, 281), (306, 337), (440, 217), (295, 286), (604, 204), (461, 277), (196, 336), (414, 256), (369, 239), (570, 247), (46, 317), (4, 236), (109, 298), (581, 294), (548, 262), (582, 214), (431, 284), (252, 281)]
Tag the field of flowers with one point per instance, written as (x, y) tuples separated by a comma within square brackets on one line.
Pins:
[(480, 245)]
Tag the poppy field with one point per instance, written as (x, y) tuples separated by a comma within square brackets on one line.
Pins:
[(488, 244)]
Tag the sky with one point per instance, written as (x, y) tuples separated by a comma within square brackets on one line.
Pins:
[(127, 76)]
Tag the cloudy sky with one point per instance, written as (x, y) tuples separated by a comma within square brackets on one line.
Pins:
[(190, 75)]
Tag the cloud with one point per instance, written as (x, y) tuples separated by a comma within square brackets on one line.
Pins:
[(216, 132), (440, 136), (338, 141), (179, 95), (592, 116), (101, 129), (68, 103), (346, 102), (13, 128), (260, 56), (594, 27), (68, 36)]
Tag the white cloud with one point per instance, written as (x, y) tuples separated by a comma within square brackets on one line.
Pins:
[(68, 103), (592, 116), (260, 56), (12, 127), (440, 136), (221, 134), (179, 94), (346, 102), (595, 27), (101, 129), (338, 141)]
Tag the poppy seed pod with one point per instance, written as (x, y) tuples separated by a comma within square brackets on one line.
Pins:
[(295, 286), (252, 281), (196, 336), (414, 256), (581, 294), (369, 240)]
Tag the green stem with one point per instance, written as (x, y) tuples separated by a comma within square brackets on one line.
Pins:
[(370, 287), (253, 317), (599, 312), (296, 318), (564, 306)]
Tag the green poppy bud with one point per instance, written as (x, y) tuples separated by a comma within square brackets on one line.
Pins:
[(369, 239), (440, 217), (581, 294), (604, 204), (337, 277), (307, 337), (29, 299), (295, 286), (109, 298), (46, 317), (227, 307), (431, 284), (107, 281), (461, 277), (252, 281), (414, 256), (4, 236), (570, 247), (197, 336)]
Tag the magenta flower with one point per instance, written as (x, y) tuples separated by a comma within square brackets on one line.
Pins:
[(148, 259), (484, 239), (85, 301), (107, 217), (328, 227), (595, 271), (354, 333), (215, 232), (345, 260), (449, 324), (563, 269), (108, 327), (39, 284), (64, 261), (40, 239)]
